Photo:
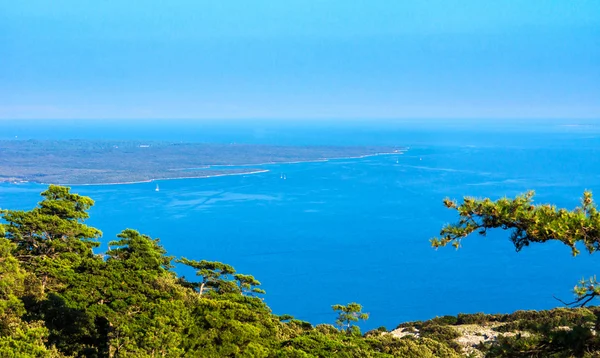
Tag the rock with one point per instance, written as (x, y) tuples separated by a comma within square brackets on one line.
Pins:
[(404, 332)]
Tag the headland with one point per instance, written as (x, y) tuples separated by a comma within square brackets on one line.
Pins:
[(92, 162)]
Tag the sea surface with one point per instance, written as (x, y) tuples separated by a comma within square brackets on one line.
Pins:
[(355, 230)]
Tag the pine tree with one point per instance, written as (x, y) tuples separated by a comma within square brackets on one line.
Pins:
[(529, 223), (349, 314)]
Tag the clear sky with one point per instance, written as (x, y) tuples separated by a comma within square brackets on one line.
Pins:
[(299, 59)]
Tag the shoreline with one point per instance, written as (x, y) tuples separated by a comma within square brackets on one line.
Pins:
[(324, 160), (161, 179)]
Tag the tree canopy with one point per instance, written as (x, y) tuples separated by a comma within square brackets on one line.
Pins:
[(529, 223), (348, 315), (59, 298)]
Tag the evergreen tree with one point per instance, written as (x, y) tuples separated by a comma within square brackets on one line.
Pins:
[(58, 298), (349, 314), (18, 338), (215, 275), (52, 237), (529, 223), (248, 284)]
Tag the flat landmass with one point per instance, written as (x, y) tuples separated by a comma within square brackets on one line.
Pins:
[(104, 162)]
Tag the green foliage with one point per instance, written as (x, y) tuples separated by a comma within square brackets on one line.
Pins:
[(473, 318), (450, 320), (441, 333), (412, 348), (18, 338), (528, 224), (221, 278), (215, 275), (561, 332), (438, 329), (285, 317), (556, 333), (349, 314), (231, 325), (27, 340), (54, 226), (52, 238), (248, 284), (329, 342), (58, 298)]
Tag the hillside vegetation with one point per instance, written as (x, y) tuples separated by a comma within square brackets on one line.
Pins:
[(58, 298)]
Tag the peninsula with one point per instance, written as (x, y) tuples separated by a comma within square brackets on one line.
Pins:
[(104, 162)]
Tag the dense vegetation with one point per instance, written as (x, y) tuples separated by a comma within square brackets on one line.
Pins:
[(58, 298), (561, 332), (558, 333)]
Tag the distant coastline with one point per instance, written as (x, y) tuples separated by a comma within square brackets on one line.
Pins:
[(86, 163), (163, 179), (321, 160), (231, 174), (324, 160)]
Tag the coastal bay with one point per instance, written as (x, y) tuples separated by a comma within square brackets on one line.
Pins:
[(358, 230)]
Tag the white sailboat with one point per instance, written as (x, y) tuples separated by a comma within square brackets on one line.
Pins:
[(157, 188)]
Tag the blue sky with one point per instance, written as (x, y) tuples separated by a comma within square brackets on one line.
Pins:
[(300, 59)]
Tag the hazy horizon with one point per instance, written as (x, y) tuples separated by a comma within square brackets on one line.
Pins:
[(298, 59)]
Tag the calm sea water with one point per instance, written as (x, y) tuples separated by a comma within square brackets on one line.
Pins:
[(356, 229)]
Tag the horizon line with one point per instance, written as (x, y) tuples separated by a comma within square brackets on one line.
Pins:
[(269, 118)]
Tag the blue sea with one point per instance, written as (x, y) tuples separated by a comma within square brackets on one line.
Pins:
[(355, 230)]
